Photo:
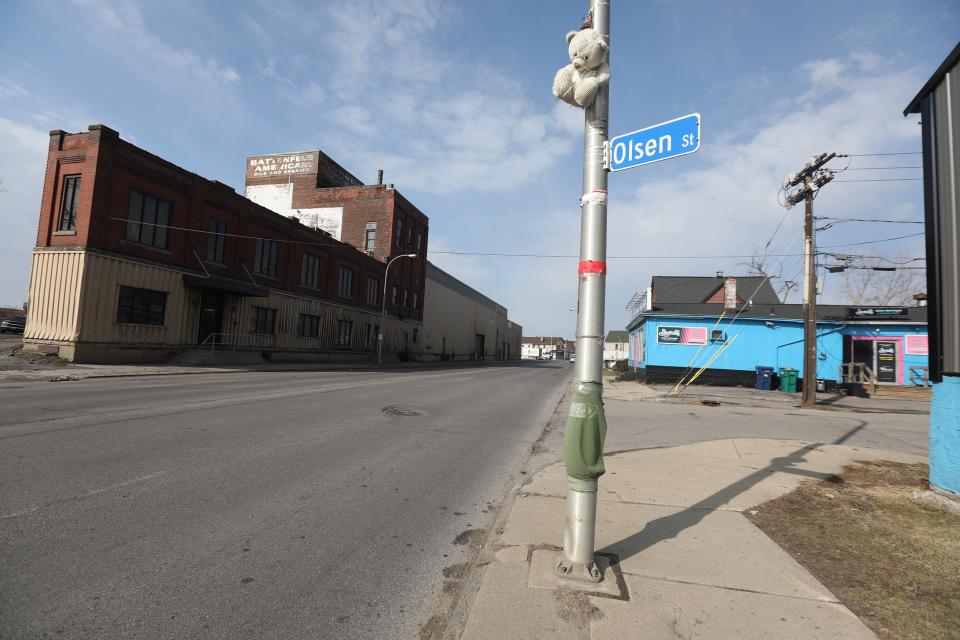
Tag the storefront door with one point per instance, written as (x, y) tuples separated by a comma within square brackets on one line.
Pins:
[(211, 315), (886, 354), (863, 353)]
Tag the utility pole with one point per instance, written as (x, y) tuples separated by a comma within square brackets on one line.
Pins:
[(807, 182), (586, 425), (809, 307)]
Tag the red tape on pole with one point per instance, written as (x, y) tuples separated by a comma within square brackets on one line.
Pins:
[(592, 266)]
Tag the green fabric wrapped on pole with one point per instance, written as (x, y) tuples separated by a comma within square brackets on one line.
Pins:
[(585, 433)]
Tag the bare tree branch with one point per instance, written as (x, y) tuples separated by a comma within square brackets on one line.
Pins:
[(864, 286)]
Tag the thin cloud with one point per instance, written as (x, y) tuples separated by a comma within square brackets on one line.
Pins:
[(126, 24), (21, 169)]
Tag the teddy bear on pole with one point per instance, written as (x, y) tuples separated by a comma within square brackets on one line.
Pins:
[(578, 82)]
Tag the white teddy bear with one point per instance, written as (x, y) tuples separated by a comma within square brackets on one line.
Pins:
[(578, 82)]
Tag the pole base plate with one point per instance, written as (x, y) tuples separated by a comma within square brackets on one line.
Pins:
[(581, 571)]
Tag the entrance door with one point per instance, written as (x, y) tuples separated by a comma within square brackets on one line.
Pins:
[(481, 347), (211, 315), (863, 352), (886, 362)]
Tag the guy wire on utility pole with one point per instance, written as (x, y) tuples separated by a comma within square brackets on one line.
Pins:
[(809, 180), (586, 425)]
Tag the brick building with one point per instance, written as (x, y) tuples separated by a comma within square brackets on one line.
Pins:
[(140, 260), (311, 187)]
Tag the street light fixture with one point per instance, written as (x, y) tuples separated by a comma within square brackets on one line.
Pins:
[(383, 303)]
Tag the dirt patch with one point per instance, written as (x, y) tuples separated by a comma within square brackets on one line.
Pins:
[(575, 606), (455, 571), (470, 537), (16, 359), (895, 563)]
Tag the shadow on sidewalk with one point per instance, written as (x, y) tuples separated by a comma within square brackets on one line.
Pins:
[(670, 526)]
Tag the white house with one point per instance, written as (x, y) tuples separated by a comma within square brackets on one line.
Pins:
[(615, 347), (544, 348)]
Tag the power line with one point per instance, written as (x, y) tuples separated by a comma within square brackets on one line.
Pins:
[(570, 255), (343, 245), (868, 155), (852, 244), (881, 168), (882, 180), (844, 267), (851, 256), (839, 220), (334, 245)]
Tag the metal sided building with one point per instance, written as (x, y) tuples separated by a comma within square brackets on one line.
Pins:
[(938, 104), (729, 326), (460, 323)]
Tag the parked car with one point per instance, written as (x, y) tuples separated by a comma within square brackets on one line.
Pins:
[(573, 357), (13, 324)]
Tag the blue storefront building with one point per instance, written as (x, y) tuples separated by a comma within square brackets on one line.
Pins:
[(721, 329)]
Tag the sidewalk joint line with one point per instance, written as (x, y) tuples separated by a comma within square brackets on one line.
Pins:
[(740, 589)]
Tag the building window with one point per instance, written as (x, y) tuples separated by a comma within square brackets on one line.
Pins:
[(393, 295), (416, 333), (409, 236), (264, 320), (345, 286), (147, 219), (368, 336), (404, 298), (370, 240), (419, 244), (215, 241), (68, 204), (265, 262), (310, 271), (141, 306), (344, 333), (308, 326), (373, 291), (398, 239), (416, 300)]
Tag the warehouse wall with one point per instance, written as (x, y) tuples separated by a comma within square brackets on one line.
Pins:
[(455, 313)]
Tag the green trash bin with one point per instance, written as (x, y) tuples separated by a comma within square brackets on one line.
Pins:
[(788, 380)]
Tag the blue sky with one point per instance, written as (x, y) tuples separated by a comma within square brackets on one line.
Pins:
[(452, 100)]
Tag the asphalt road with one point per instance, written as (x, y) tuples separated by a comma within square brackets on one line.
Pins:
[(253, 505)]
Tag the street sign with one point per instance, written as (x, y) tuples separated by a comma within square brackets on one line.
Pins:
[(670, 139)]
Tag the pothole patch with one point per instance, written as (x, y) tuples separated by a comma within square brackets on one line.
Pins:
[(398, 410)]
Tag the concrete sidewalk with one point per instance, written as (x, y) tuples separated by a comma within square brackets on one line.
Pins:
[(686, 562), (746, 397), (14, 370)]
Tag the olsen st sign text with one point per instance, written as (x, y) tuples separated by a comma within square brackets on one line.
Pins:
[(670, 139)]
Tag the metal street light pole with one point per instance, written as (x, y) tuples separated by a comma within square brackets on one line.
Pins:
[(586, 426), (383, 303)]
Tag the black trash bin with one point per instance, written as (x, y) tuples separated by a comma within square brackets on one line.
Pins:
[(764, 379)]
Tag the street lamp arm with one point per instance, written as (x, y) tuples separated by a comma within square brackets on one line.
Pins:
[(383, 302)]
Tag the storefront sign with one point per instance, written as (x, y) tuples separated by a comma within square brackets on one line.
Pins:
[(287, 164), (682, 335), (917, 345), (878, 312)]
